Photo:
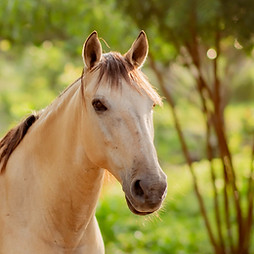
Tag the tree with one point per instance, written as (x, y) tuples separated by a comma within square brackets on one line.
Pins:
[(33, 22), (195, 30)]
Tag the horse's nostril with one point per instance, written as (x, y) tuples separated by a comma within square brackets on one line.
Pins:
[(138, 189)]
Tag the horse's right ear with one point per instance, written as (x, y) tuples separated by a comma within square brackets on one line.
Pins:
[(92, 51)]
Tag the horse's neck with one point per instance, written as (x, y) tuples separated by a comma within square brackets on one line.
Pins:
[(68, 183)]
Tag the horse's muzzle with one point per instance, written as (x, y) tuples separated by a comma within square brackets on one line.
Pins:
[(145, 197)]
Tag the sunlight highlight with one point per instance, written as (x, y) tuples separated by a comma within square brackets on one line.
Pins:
[(5, 45), (211, 53), (237, 45)]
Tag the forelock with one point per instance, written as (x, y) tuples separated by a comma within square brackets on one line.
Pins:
[(113, 69)]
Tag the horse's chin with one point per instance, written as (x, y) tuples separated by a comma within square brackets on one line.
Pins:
[(133, 209)]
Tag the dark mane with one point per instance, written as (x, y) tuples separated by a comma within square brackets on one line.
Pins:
[(113, 68), (12, 139)]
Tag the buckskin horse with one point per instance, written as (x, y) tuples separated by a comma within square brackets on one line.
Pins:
[(52, 163)]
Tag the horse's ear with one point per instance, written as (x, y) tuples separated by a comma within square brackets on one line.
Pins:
[(138, 51), (92, 51)]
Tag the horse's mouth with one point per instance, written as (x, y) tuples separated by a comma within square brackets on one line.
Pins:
[(131, 207)]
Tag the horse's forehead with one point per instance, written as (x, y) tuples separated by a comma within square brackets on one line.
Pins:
[(106, 86), (124, 93), (114, 76)]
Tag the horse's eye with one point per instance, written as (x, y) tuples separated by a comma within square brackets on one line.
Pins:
[(98, 105)]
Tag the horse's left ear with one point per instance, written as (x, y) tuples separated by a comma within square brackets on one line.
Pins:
[(138, 51), (92, 51)]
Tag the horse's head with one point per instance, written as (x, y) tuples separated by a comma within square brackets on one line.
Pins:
[(119, 126)]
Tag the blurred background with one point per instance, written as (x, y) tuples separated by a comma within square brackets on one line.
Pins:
[(201, 62)]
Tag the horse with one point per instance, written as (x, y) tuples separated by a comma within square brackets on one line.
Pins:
[(53, 163)]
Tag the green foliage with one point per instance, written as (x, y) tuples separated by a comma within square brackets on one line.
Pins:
[(33, 22), (242, 83), (33, 80), (239, 20), (177, 21)]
